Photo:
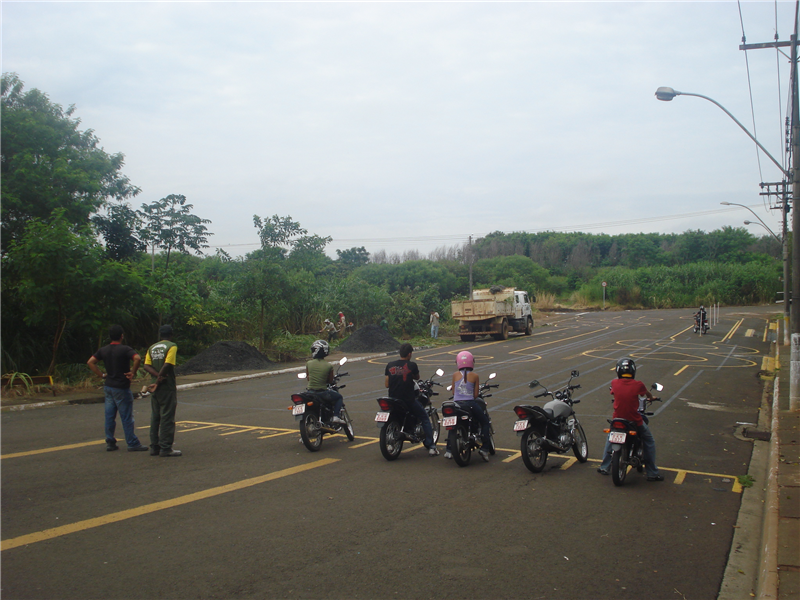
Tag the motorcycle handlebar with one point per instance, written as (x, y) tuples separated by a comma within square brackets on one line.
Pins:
[(540, 395), (345, 374)]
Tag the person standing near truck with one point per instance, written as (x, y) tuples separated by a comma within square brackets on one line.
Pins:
[(434, 321), (160, 363)]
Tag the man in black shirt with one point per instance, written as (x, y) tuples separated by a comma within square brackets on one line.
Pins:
[(399, 378), (117, 359)]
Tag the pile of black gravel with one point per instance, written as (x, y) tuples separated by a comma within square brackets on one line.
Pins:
[(370, 338), (225, 356)]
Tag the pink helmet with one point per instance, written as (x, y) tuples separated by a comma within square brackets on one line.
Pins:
[(465, 360)]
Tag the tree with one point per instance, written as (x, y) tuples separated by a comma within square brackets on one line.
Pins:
[(63, 279), (354, 257), (119, 228), (169, 225), (47, 162)]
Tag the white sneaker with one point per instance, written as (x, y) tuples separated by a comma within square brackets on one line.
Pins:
[(448, 454), (433, 451), (338, 421), (484, 455)]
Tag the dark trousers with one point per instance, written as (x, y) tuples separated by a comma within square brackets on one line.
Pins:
[(163, 404)]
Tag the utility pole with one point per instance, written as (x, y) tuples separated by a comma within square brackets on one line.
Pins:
[(469, 258), (794, 146), (782, 191)]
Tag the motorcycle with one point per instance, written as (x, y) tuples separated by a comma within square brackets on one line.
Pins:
[(553, 427), (627, 449), (315, 413), (464, 430), (399, 425), (702, 329)]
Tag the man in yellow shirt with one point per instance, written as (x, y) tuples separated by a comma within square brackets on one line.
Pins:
[(160, 363)]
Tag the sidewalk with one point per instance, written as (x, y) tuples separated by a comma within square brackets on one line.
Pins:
[(788, 488)]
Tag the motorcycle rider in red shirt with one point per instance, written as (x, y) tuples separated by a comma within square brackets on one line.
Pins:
[(629, 395)]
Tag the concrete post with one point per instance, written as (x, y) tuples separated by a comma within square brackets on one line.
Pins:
[(794, 374)]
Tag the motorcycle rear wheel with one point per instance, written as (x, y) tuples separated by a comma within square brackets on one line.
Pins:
[(391, 442), (619, 466), (310, 431), (533, 455), (458, 442), (580, 446), (348, 429)]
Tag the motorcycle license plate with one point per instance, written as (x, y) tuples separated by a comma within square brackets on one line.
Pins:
[(449, 421), (382, 417), (298, 409), (617, 437), (521, 425)]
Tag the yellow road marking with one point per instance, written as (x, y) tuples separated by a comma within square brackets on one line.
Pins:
[(679, 477), (767, 363), (750, 333), (569, 462), (736, 326), (371, 441), (49, 534), (681, 370), (680, 332), (53, 449), (272, 435), (514, 456)]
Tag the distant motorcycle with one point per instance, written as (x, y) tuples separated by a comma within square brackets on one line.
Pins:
[(464, 430), (703, 327), (315, 413), (399, 425), (553, 427), (627, 448)]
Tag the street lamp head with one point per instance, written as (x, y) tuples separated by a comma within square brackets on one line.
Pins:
[(725, 203), (748, 222), (666, 93)]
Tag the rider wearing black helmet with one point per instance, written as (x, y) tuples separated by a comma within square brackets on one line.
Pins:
[(320, 374), (629, 395)]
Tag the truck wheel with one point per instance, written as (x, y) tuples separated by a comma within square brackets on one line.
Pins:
[(504, 330), (529, 326), (467, 338)]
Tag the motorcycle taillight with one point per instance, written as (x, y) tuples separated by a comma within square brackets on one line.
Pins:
[(448, 410), (297, 398), (385, 404), (618, 425), (521, 412)]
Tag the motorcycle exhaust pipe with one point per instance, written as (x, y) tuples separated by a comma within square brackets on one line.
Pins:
[(544, 441)]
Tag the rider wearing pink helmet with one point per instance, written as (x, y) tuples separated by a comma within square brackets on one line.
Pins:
[(466, 385)]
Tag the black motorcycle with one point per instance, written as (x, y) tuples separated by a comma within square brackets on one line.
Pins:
[(399, 425), (464, 429), (701, 328), (627, 449), (315, 413), (553, 427)]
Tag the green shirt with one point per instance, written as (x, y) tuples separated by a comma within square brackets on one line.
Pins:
[(160, 353), (318, 370)]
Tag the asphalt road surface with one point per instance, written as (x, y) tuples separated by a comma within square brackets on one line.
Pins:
[(248, 512)]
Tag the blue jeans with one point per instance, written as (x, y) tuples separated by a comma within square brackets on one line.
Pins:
[(338, 401), (120, 400), (477, 408), (434, 331), (649, 443), (416, 409)]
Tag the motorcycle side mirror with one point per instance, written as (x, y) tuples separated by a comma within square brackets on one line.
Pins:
[(439, 372), (534, 383), (449, 387), (657, 387), (493, 375), (342, 361), (302, 375), (575, 374)]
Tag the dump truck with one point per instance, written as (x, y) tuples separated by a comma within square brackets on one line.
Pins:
[(495, 311)]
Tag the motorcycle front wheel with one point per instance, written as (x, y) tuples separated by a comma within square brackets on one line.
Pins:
[(348, 429), (533, 455), (310, 431), (579, 445), (391, 442), (458, 441), (436, 426), (619, 466)]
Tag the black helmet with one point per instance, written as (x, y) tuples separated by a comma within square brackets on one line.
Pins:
[(320, 349), (626, 368)]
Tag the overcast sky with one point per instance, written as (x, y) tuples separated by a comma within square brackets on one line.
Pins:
[(403, 126)]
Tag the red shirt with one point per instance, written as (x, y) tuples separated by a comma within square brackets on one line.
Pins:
[(626, 394)]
